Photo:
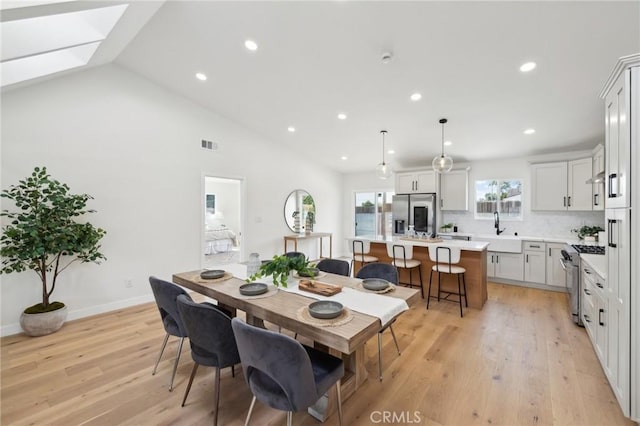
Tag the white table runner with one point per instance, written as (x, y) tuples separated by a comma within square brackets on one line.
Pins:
[(384, 307)]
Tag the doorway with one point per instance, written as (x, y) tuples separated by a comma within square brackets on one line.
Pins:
[(373, 214), (222, 225)]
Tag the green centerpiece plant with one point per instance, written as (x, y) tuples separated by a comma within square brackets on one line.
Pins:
[(587, 231), (44, 234), (281, 266)]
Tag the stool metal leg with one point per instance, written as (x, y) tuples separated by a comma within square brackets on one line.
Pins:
[(439, 284), (429, 292), (459, 294), (421, 286), (464, 285)]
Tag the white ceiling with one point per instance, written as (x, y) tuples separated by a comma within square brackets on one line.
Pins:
[(316, 59)]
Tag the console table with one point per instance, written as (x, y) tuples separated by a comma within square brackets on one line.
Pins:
[(313, 235)]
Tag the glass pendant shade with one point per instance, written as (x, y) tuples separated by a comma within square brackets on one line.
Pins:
[(442, 163), (383, 170)]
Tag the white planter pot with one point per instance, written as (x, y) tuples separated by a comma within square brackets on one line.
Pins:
[(44, 323)]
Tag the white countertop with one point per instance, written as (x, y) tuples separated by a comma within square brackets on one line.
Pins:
[(598, 262), (462, 244)]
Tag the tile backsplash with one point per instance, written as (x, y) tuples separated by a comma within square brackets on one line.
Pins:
[(535, 224)]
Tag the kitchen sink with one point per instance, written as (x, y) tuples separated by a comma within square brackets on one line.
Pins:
[(502, 243)]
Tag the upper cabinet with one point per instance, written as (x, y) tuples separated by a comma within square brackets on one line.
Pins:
[(562, 185), (416, 182), (617, 103), (598, 187), (454, 190)]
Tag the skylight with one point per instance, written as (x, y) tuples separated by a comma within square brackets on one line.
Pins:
[(43, 45)]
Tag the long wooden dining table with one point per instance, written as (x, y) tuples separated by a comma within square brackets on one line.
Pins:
[(345, 341)]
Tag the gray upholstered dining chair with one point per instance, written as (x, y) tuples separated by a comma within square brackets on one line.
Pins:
[(334, 266), (166, 294), (211, 339), (295, 254), (282, 373), (387, 272)]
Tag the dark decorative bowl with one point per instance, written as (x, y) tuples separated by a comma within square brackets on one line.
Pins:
[(375, 284), (253, 289), (325, 309), (212, 274)]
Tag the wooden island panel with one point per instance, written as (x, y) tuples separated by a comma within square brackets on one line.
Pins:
[(475, 262)]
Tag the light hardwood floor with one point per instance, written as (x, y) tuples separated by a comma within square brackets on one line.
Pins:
[(519, 361)]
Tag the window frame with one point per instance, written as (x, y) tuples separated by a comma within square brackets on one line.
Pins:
[(498, 204)]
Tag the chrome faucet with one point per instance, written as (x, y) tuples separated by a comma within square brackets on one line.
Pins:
[(496, 223)]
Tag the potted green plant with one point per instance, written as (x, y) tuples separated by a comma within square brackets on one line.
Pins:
[(587, 231), (281, 266), (45, 236), (447, 227), (311, 219)]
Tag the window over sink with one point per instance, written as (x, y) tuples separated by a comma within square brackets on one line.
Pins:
[(498, 195)]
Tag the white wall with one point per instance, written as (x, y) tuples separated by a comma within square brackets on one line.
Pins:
[(135, 148), (534, 223)]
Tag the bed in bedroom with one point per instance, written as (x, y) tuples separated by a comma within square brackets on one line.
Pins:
[(219, 240)]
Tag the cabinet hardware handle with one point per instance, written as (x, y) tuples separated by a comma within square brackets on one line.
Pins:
[(610, 223), (534, 246), (586, 271), (595, 199), (527, 256), (492, 259), (587, 292), (549, 252), (441, 203), (497, 259), (564, 201), (600, 312), (568, 201), (586, 318), (599, 285), (610, 193)]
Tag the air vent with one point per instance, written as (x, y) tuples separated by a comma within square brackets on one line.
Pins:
[(210, 145)]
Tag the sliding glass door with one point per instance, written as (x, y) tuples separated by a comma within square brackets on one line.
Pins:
[(373, 214)]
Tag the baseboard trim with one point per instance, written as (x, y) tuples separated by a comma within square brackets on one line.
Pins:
[(10, 329)]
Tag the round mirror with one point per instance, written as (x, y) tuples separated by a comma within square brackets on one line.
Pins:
[(300, 211)]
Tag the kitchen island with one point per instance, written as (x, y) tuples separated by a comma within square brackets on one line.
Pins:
[(473, 258)]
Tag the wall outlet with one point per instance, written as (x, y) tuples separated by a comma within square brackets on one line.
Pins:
[(128, 283)]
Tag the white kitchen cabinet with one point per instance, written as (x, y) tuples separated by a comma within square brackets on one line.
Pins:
[(556, 276), (618, 141), (594, 313), (534, 262), (617, 296), (598, 166), (416, 182), (561, 185), (505, 265), (579, 192), (454, 190)]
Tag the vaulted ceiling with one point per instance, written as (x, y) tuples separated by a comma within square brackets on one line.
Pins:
[(317, 59)]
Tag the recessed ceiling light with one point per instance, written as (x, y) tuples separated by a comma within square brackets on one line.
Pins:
[(251, 45), (391, 151), (529, 131), (200, 76), (448, 143), (344, 157), (342, 116), (416, 97), (291, 129), (528, 66)]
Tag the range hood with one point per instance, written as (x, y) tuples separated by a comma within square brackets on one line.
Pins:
[(599, 178)]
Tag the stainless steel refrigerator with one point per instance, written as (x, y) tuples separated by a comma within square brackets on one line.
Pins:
[(417, 210)]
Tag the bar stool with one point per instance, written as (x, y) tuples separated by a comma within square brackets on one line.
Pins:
[(360, 253), (445, 259), (402, 257)]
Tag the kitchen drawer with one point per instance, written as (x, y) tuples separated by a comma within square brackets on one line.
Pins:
[(534, 246), (588, 308)]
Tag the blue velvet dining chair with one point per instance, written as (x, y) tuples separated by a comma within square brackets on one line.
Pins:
[(334, 266), (282, 373), (212, 341), (389, 273), (166, 294)]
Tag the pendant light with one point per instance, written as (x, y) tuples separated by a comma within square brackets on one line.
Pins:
[(383, 169), (442, 163)]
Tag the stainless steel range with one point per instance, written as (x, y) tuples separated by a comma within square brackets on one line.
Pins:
[(571, 264)]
